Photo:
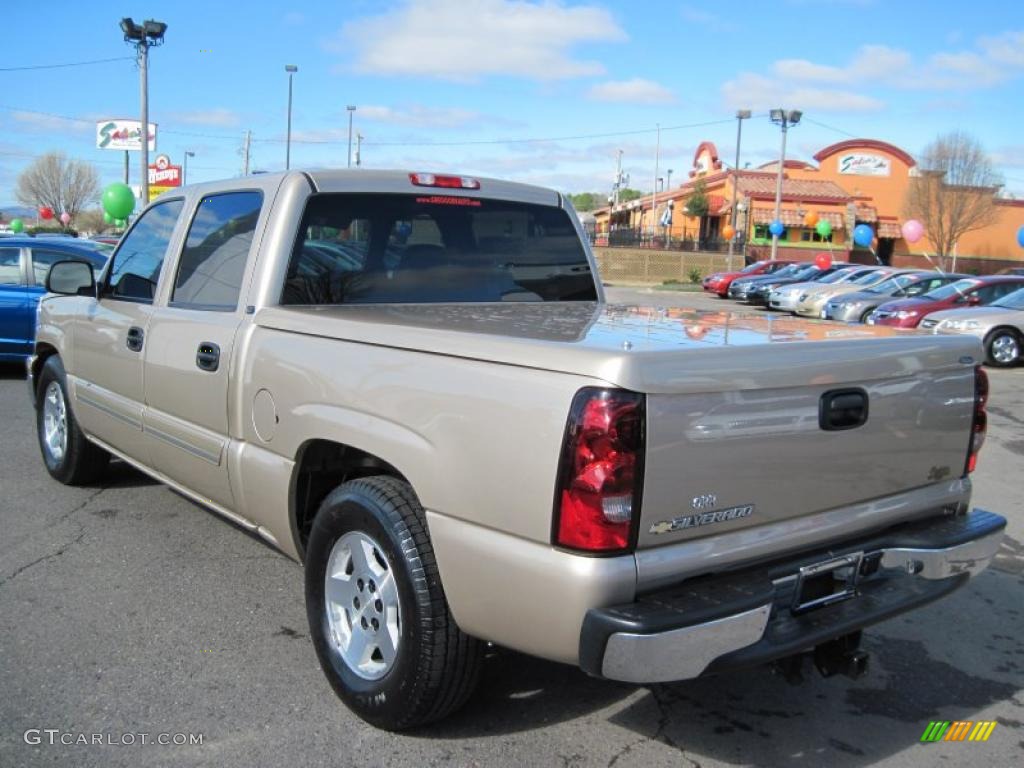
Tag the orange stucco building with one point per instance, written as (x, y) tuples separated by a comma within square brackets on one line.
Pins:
[(860, 181)]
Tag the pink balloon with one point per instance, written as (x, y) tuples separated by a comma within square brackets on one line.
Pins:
[(913, 230), (65, 218)]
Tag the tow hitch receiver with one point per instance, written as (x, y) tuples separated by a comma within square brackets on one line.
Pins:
[(826, 583), (841, 656)]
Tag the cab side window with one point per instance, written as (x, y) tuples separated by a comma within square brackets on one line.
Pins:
[(10, 266), (140, 256), (216, 250)]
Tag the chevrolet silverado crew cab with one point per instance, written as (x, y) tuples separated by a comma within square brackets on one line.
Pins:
[(411, 383)]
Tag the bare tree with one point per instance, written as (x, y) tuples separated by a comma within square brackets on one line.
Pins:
[(61, 184), (954, 193)]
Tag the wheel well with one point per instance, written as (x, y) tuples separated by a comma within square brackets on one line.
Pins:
[(1000, 328), (321, 466), (43, 353)]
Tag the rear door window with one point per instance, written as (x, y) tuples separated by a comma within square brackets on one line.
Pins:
[(141, 253), (216, 251), (426, 248), (10, 266)]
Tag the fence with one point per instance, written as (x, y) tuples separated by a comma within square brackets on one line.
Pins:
[(639, 238), (647, 265)]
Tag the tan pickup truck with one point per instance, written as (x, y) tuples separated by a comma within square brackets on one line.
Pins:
[(411, 383)]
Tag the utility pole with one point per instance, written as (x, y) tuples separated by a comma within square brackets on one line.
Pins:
[(741, 115), (184, 168), (142, 36), (654, 192), (618, 179), (351, 109), (126, 169), (245, 153), (291, 69), (784, 119), (359, 149)]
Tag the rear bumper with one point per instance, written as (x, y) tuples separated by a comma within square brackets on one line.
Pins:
[(736, 619)]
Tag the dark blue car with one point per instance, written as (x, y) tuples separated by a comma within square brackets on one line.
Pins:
[(24, 264)]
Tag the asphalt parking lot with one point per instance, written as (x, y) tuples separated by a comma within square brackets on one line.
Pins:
[(126, 609)]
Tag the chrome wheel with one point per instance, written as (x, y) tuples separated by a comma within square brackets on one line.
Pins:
[(55, 423), (1005, 348), (363, 610)]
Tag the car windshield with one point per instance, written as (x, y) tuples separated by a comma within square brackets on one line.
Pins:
[(432, 247), (805, 272), (839, 276), (1013, 300), (868, 278), (959, 288), (752, 268), (788, 271), (894, 284)]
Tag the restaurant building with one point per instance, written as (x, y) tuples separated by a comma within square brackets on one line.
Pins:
[(859, 181)]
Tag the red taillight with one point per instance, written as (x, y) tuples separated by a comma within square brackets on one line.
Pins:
[(449, 182), (979, 424), (601, 473)]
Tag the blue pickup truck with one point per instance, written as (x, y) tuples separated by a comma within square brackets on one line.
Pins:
[(24, 264)]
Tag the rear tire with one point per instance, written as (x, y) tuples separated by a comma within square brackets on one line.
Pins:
[(68, 455), (1003, 347), (864, 317), (378, 616)]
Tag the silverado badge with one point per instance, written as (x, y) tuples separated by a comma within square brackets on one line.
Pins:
[(702, 518)]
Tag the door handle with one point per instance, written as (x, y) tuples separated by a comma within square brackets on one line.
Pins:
[(208, 356), (843, 409), (135, 338)]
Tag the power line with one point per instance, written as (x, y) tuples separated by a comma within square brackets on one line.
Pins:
[(70, 64), (831, 128)]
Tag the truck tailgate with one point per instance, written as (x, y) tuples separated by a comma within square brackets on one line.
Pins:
[(719, 461)]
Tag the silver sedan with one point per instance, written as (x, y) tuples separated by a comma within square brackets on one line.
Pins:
[(1000, 326)]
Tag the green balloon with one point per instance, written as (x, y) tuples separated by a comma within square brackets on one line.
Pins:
[(107, 218), (121, 223), (17, 225), (824, 227), (118, 200)]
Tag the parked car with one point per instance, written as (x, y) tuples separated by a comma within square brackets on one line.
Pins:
[(719, 281), (740, 287), (811, 303), (1011, 271), (855, 307), (464, 444), (969, 292), (1000, 326), (24, 264), (759, 292), (786, 298)]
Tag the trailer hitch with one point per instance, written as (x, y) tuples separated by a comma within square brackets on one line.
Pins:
[(841, 656)]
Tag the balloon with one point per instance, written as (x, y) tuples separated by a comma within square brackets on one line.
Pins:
[(120, 223), (810, 219), (823, 227), (107, 218), (65, 218), (776, 228), (17, 225), (913, 230), (823, 260), (728, 232), (863, 235), (46, 212), (118, 200), (1020, 237)]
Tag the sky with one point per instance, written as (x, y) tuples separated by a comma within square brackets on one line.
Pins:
[(544, 92)]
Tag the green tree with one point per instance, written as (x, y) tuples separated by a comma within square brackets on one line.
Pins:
[(586, 201), (697, 202), (626, 194)]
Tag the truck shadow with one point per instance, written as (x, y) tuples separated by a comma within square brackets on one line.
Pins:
[(921, 671), (12, 371)]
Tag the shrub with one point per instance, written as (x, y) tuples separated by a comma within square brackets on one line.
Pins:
[(695, 275)]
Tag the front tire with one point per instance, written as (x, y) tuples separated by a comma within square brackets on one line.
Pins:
[(1003, 347), (69, 457), (378, 617)]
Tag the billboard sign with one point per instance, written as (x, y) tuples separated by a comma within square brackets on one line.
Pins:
[(863, 164), (125, 135), (163, 174)]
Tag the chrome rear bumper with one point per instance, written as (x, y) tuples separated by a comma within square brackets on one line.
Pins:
[(720, 622)]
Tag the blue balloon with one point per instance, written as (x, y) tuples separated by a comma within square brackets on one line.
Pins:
[(776, 228), (863, 235), (1020, 237)]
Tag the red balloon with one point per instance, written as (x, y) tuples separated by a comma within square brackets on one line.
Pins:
[(823, 260), (46, 212)]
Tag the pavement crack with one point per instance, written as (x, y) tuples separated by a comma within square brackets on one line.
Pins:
[(92, 496), (63, 548)]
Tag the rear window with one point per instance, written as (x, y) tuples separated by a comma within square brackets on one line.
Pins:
[(430, 247)]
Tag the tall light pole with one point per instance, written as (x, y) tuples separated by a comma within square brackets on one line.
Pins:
[(184, 167), (351, 109), (291, 69), (784, 119), (142, 36), (741, 115), (668, 182)]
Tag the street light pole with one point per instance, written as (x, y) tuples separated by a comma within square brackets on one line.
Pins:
[(142, 36), (184, 167), (291, 69), (741, 115), (351, 109), (784, 119)]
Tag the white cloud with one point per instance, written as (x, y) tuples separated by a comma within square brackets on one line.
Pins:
[(224, 118), (752, 91), (635, 91), (38, 121), (464, 40), (421, 116)]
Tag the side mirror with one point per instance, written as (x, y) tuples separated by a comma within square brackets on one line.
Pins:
[(71, 278)]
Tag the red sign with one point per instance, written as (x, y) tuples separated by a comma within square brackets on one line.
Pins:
[(162, 173)]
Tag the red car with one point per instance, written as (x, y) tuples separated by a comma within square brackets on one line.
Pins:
[(969, 292), (719, 281)]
